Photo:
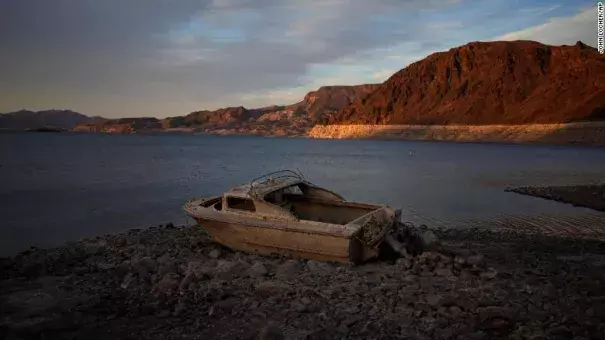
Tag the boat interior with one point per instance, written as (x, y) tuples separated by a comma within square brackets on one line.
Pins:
[(305, 202), (309, 205)]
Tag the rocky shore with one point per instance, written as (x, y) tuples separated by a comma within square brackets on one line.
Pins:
[(173, 282), (581, 133), (588, 196)]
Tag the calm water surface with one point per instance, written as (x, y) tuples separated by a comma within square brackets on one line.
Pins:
[(58, 187)]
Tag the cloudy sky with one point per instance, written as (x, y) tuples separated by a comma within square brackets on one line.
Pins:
[(132, 58)]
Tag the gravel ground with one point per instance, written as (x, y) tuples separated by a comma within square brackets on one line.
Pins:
[(165, 283), (588, 196)]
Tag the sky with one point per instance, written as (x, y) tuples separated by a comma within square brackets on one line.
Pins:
[(161, 58)]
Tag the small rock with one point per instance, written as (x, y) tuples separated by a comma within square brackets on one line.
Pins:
[(226, 270), (476, 260), (433, 300), (123, 268), (166, 265), (522, 332), (147, 263), (214, 254), (164, 314), (352, 310), (446, 271), (409, 278), (271, 288), (105, 266), (81, 270), (489, 274), (186, 281), (298, 307), (480, 335), (500, 325), (319, 267), (257, 270), (167, 284), (459, 260), (200, 270), (577, 258), (94, 248), (225, 305), (128, 279), (426, 270), (455, 311), (179, 308), (165, 260), (288, 269), (166, 269), (495, 311), (429, 257), (404, 263), (429, 238), (144, 267), (466, 274), (560, 332), (269, 333)]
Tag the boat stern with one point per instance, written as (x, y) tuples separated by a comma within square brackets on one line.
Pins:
[(373, 227)]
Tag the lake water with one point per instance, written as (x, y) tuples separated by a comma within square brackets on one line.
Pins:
[(64, 186)]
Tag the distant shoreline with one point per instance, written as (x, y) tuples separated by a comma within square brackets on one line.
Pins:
[(578, 133)]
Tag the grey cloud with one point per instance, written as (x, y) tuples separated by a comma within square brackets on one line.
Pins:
[(566, 30), (86, 51)]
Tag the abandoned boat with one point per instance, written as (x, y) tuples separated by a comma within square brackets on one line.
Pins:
[(283, 213)]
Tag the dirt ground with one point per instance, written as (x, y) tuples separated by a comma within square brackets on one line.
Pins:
[(173, 283), (588, 196)]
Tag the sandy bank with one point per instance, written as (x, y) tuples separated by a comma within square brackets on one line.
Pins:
[(174, 283), (572, 133)]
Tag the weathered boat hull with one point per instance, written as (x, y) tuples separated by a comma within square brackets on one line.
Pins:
[(298, 244), (289, 215)]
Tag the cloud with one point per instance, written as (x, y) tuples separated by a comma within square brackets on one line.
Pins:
[(561, 30), (168, 57), (540, 10), (383, 74)]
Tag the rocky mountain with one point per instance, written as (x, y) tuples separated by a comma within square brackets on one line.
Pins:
[(295, 119), (121, 125), (203, 119), (518, 82), (63, 119), (330, 99)]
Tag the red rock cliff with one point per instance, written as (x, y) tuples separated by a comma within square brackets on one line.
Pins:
[(519, 82)]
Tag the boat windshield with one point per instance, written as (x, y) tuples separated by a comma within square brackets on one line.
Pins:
[(281, 197)]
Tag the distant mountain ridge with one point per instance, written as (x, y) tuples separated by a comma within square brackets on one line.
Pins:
[(484, 83), (295, 119), (25, 119)]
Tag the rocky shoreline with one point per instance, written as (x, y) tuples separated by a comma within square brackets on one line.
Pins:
[(580, 133), (587, 196), (173, 282)]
